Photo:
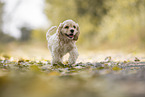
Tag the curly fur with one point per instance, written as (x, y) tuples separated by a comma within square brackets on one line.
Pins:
[(63, 42)]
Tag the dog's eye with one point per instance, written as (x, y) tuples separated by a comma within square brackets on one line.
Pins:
[(66, 27), (74, 26)]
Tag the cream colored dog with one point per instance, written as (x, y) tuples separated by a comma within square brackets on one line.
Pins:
[(63, 42)]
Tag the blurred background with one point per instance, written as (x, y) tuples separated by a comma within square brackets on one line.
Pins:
[(110, 30), (104, 25)]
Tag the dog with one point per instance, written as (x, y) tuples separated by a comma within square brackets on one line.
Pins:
[(63, 42)]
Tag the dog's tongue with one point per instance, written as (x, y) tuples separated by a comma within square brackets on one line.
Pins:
[(71, 36)]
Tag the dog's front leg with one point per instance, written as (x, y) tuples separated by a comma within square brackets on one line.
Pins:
[(73, 56), (56, 58)]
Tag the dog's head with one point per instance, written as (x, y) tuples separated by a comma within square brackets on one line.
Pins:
[(69, 29)]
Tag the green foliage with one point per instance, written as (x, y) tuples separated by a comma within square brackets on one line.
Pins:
[(38, 35), (114, 23), (58, 11), (88, 14), (123, 23)]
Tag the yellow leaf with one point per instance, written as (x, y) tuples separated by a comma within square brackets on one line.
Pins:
[(65, 62), (54, 73), (116, 68), (34, 68)]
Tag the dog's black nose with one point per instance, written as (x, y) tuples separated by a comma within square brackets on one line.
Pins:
[(72, 31)]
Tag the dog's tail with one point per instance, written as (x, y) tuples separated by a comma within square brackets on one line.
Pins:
[(49, 31)]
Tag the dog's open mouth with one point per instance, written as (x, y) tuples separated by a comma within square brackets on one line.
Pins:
[(70, 36)]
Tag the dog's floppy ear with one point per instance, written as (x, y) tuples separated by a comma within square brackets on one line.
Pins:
[(59, 28), (77, 34)]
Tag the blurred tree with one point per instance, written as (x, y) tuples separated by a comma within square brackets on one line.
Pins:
[(59, 10), (1, 6), (94, 8), (116, 23), (38, 35), (3, 37), (87, 13), (26, 33), (124, 24)]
